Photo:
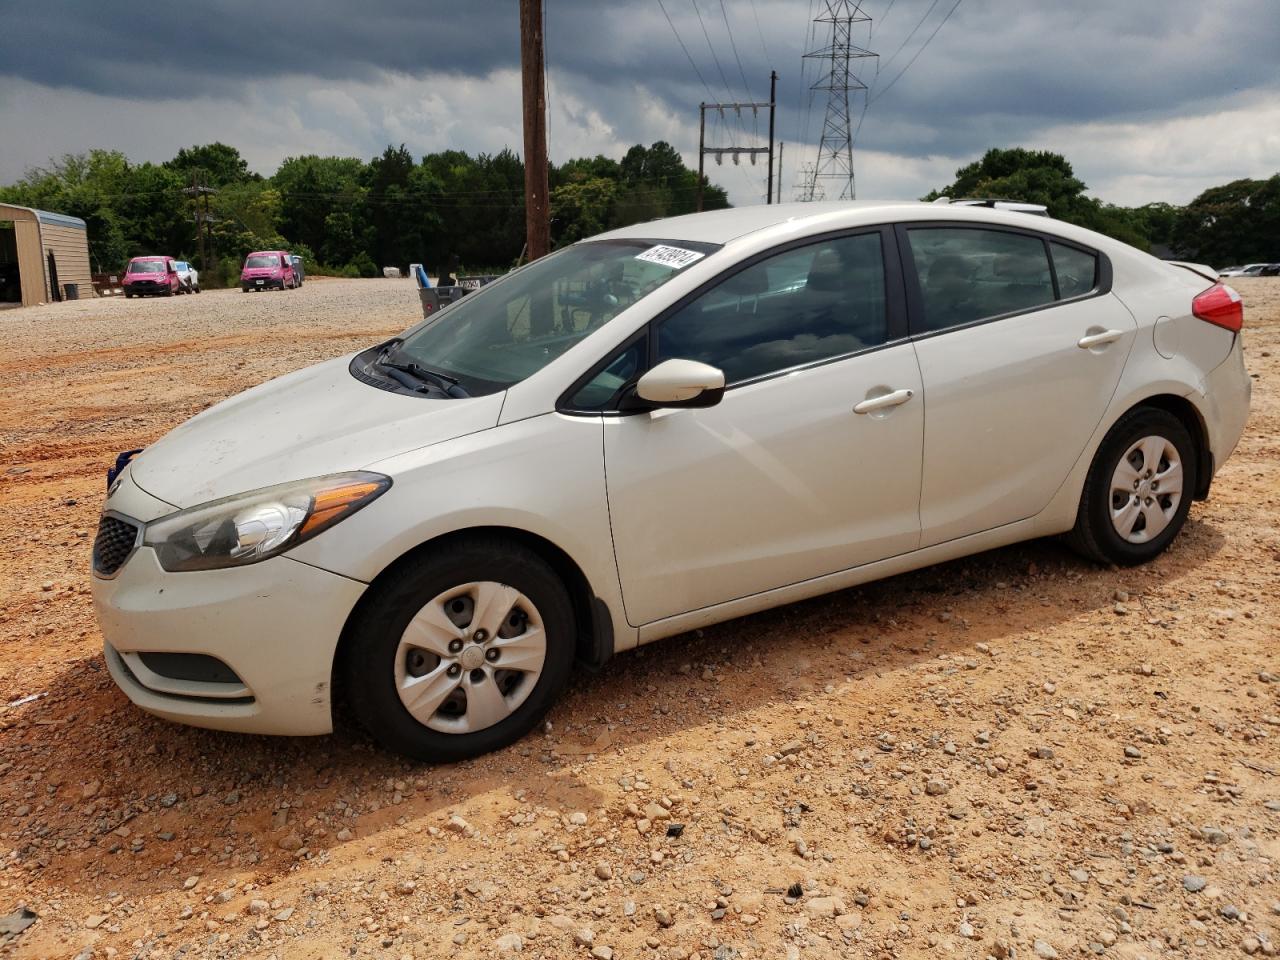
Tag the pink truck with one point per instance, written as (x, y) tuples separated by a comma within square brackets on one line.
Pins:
[(267, 269), (151, 277)]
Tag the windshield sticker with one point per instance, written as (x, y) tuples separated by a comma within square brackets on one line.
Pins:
[(673, 257)]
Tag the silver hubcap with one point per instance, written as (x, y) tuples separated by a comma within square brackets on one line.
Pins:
[(470, 657), (1146, 489)]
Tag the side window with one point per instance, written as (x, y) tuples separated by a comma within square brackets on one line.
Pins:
[(801, 306), (1077, 270), (603, 389), (969, 274)]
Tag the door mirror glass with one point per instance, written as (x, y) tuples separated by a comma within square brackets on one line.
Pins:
[(677, 383)]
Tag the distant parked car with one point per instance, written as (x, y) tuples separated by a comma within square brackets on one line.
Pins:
[(1248, 270), (299, 271), (267, 269), (151, 277), (188, 276), (1270, 270)]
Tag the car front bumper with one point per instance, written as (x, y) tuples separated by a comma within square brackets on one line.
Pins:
[(273, 628), (267, 283)]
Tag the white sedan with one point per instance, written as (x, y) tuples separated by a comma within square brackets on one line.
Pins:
[(656, 429)]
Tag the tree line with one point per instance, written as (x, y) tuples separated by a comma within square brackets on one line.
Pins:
[(351, 217), (346, 216), (1238, 222)]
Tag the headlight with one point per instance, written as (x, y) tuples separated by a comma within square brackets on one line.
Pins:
[(253, 526)]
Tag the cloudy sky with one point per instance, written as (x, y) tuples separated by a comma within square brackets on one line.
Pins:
[(1150, 99)]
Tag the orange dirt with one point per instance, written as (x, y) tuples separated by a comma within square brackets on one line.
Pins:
[(995, 756)]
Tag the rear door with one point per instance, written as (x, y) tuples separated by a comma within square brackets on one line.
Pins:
[(811, 462), (1021, 346)]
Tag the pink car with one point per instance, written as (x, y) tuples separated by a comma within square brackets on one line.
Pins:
[(151, 277), (266, 269)]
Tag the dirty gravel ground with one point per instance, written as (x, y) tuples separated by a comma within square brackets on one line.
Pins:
[(1015, 754)]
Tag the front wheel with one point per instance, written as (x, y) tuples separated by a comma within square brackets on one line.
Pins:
[(460, 652), (1138, 491)]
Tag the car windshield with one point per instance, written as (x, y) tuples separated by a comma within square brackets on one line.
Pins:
[(261, 260), (509, 330), (146, 266)]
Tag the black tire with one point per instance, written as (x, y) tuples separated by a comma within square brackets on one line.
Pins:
[(368, 663), (1094, 534)]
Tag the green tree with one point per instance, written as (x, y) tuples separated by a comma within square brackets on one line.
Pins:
[(582, 208), (1238, 222), (218, 163), (321, 199), (1044, 177)]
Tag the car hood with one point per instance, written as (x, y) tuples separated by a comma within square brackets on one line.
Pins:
[(310, 423)]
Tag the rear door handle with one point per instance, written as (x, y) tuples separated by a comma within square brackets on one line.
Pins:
[(1099, 339), (885, 400)]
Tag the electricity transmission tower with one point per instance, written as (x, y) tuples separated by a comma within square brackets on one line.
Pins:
[(806, 188), (835, 149)]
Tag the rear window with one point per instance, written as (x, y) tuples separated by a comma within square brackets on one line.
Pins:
[(1077, 270), (969, 274)]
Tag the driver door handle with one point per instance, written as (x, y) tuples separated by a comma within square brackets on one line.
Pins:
[(1099, 339), (887, 400)]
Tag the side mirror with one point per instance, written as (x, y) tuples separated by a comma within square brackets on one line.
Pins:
[(676, 383)]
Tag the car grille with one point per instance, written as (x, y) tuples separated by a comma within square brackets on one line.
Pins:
[(113, 544)]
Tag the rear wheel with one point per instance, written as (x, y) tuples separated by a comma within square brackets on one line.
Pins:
[(462, 652), (1138, 491)]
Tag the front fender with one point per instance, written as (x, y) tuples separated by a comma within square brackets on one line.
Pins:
[(542, 476)]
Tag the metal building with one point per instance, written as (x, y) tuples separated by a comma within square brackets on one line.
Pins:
[(44, 257)]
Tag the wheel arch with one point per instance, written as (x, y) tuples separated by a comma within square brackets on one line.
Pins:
[(1191, 418), (594, 643)]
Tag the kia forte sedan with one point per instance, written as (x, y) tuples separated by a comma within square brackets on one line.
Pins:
[(656, 429)]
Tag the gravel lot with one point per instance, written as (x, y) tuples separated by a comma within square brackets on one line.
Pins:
[(1017, 754)]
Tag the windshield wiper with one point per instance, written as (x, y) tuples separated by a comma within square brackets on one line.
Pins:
[(450, 385)]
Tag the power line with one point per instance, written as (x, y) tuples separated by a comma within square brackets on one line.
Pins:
[(746, 87), (872, 100), (723, 78), (880, 22), (763, 46), (904, 43), (802, 112), (710, 95)]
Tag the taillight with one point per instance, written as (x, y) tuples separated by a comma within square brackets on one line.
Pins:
[(1220, 305)]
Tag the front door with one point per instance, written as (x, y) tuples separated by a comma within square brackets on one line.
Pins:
[(811, 462)]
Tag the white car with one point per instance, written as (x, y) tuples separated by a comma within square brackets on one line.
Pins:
[(188, 277), (665, 426), (1248, 270)]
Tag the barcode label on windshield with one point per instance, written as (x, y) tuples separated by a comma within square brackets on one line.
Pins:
[(673, 257)]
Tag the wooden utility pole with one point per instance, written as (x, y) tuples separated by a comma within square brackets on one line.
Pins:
[(773, 101), (536, 188), (702, 139), (779, 191)]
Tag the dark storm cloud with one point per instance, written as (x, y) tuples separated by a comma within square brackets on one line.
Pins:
[(1052, 61), (998, 72)]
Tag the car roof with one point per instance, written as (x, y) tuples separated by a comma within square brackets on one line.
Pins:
[(721, 226), (724, 226)]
